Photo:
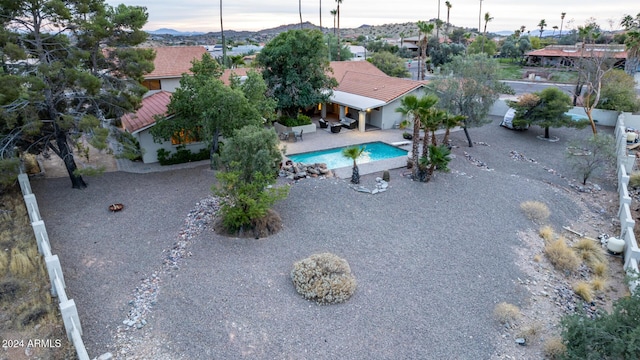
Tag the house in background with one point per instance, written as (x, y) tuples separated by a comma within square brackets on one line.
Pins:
[(170, 63), (368, 95), (566, 55)]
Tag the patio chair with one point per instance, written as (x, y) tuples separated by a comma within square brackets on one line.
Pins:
[(323, 123), (298, 136), (335, 128)]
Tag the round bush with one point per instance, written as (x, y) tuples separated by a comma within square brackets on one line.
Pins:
[(324, 278)]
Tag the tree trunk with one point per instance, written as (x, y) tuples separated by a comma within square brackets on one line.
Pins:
[(355, 175), (546, 132), (466, 133), (214, 146), (66, 155), (414, 147), (577, 92)]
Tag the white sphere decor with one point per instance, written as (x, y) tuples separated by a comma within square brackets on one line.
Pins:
[(615, 245)]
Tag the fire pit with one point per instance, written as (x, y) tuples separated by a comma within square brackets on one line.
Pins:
[(116, 207)]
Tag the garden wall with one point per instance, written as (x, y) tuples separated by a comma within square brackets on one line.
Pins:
[(604, 117), (68, 308)]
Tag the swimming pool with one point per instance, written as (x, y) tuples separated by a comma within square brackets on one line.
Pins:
[(374, 151)]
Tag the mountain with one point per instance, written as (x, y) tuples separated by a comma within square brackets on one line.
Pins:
[(165, 31)]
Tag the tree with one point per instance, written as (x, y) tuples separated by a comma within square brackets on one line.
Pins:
[(75, 86), (255, 89), (562, 15), (320, 14), (414, 109), (334, 12), (338, 14), (546, 109), (444, 53), (449, 6), (300, 11), (294, 66), (555, 27), (353, 153), (345, 53), (390, 64), (618, 92), (438, 23), (224, 44), (249, 161), (542, 24), (515, 47), (487, 18), (469, 86), (594, 155), (632, 43), (426, 29), (203, 107), (482, 45), (480, 16)]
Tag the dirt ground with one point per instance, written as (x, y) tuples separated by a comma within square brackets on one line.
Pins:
[(54, 167)]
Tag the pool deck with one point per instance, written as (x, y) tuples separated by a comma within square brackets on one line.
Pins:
[(323, 139)]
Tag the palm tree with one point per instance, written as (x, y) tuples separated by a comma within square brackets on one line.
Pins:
[(632, 44), (334, 12), (542, 25), (487, 18), (321, 17), (562, 15), (300, 11), (402, 35), (426, 28), (555, 27), (354, 152), (449, 123), (438, 22), (338, 12), (414, 109), (448, 5), (480, 16), (224, 45)]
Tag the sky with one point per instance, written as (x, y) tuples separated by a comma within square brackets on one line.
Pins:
[(201, 15)]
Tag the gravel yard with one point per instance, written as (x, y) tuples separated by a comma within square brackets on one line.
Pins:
[(431, 260)]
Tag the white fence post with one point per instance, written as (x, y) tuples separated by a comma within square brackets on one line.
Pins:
[(25, 185), (70, 317), (32, 207), (55, 271), (40, 231)]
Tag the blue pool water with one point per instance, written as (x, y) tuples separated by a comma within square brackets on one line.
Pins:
[(334, 159)]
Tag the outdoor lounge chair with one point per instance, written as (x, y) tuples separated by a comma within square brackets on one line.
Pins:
[(349, 123), (298, 135), (335, 128), (323, 123)]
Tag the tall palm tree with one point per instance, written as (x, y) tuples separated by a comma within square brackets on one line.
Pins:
[(632, 44), (555, 27), (224, 45), (542, 24), (338, 12), (414, 109), (562, 15), (334, 12), (480, 16), (449, 123), (402, 35), (321, 16), (487, 18), (354, 152), (438, 23), (300, 11), (426, 29), (448, 5)]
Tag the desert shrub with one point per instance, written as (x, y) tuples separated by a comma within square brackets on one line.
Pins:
[(590, 251), (583, 289), (9, 169), (4, 262), (535, 210), (181, 156), (324, 278), (505, 312), (561, 255), (531, 333), (608, 336), (598, 283), (20, 263), (601, 269), (554, 348), (600, 157), (546, 232), (634, 180)]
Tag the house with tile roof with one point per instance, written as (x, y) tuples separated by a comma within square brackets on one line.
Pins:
[(566, 55), (368, 95), (170, 63)]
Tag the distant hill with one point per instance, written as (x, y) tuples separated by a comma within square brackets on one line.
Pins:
[(165, 31)]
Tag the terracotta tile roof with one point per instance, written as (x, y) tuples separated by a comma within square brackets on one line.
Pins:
[(226, 75), (340, 68), (152, 105), (173, 61), (381, 87), (571, 53)]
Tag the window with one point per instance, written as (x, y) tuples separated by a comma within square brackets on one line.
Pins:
[(153, 84), (184, 137)]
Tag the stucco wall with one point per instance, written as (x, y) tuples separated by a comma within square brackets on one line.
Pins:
[(151, 148), (170, 85), (604, 117)]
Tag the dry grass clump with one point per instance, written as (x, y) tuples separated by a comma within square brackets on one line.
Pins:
[(20, 263), (598, 283), (531, 333), (634, 179), (324, 278), (4, 261), (546, 232), (554, 348), (535, 210), (537, 258), (561, 255), (601, 269), (505, 312), (583, 289), (590, 251)]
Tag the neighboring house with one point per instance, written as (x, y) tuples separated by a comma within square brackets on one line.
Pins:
[(368, 95), (170, 63), (566, 55)]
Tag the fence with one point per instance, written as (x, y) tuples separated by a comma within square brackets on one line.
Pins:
[(625, 165), (68, 308)]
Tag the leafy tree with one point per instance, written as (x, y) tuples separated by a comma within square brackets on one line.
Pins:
[(591, 156), (294, 66), (255, 90), (379, 45), (482, 45), (444, 53), (345, 53), (515, 47), (58, 80), (546, 109), (249, 160), (389, 64), (457, 36), (203, 107), (608, 336), (353, 153), (468, 87), (618, 92)]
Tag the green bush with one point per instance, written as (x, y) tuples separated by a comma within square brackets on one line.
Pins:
[(614, 335), (9, 169), (181, 156), (324, 278), (131, 149), (299, 121)]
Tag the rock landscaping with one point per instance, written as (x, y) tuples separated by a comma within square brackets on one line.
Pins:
[(295, 171)]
